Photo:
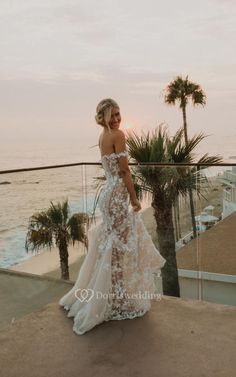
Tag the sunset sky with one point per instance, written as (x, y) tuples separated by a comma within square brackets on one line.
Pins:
[(60, 57)]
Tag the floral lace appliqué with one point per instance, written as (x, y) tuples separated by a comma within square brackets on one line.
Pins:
[(120, 263), (128, 272)]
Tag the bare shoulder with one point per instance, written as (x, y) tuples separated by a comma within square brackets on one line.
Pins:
[(118, 135), (119, 141)]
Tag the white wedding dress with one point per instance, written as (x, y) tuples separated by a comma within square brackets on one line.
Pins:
[(116, 279)]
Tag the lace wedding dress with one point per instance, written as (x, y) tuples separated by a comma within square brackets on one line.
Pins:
[(116, 279)]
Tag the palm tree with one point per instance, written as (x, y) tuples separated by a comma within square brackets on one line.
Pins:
[(55, 227), (165, 184), (182, 90)]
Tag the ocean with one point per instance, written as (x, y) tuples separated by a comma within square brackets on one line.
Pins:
[(29, 192)]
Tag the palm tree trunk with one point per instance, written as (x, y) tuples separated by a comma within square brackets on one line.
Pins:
[(166, 242), (175, 223), (192, 209), (185, 124), (63, 251), (178, 217)]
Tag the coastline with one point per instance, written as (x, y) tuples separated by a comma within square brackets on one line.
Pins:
[(48, 260), (48, 263)]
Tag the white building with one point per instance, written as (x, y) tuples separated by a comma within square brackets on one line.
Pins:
[(207, 264), (229, 193)]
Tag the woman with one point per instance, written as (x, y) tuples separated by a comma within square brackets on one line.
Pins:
[(116, 279)]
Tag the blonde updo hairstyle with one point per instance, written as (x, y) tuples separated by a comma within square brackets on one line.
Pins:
[(103, 112)]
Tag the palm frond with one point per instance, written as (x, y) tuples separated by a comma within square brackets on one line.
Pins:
[(55, 214), (193, 142), (76, 227), (206, 159), (65, 210), (168, 182), (40, 232), (199, 98), (182, 90), (99, 186), (139, 147)]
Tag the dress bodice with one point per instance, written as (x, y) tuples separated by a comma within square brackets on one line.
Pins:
[(110, 164)]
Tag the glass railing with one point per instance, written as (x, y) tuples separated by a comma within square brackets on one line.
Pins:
[(204, 237), (217, 240)]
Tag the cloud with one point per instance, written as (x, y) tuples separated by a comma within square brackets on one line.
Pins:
[(67, 38), (58, 58)]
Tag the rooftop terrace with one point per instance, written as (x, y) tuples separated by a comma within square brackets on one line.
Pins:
[(177, 337)]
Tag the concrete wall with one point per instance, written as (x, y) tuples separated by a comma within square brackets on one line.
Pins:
[(228, 208), (217, 288)]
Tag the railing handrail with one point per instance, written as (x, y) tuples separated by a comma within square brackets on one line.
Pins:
[(158, 164)]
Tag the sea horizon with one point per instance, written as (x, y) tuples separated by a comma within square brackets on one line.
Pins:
[(32, 191), (16, 155)]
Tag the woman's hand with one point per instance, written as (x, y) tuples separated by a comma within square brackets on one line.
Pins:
[(135, 204)]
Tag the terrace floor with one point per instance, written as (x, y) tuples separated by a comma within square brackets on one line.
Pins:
[(177, 337)]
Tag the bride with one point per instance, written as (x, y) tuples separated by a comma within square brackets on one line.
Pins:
[(116, 279)]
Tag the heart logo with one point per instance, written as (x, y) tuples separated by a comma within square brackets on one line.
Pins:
[(84, 294)]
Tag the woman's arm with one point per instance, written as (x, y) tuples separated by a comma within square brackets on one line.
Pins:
[(119, 144)]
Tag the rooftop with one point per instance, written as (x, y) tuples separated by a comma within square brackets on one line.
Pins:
[(216, 248), (177, 337)]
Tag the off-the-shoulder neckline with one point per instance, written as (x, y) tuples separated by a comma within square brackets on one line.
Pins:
[(113, 154)]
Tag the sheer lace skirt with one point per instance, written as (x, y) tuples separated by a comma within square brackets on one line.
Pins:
[(117, 273)]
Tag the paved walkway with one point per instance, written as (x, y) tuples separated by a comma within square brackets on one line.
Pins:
[(176, 338), (22, 293), (73, 269)]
